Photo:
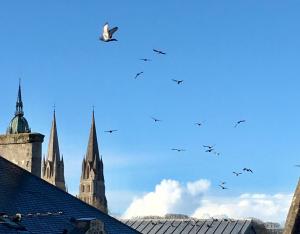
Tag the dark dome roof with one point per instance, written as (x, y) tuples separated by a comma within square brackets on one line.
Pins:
[(18, 125)]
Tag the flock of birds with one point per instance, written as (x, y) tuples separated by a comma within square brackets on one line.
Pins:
[(107, 36)]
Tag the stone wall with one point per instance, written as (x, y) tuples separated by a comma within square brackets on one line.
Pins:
[(24, 149)]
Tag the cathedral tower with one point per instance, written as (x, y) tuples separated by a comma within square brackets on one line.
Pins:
[(53, 165), (20, 145), (92, 188), (292, 224)]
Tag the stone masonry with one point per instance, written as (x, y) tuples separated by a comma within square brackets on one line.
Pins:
[(23, 149)]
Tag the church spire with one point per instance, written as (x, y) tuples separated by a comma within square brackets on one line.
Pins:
[(19, 104), (53, 147), (53, 166), (92, 187), (92, 149), (18, 124), (293, 219)]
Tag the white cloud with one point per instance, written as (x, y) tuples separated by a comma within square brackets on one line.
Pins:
[(262, 206), (170, 196), (197, 187)]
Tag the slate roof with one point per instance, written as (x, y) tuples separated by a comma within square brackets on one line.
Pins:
[(192, 226), (45, 208)]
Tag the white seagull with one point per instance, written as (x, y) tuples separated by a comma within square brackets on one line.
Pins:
[(107, 33)]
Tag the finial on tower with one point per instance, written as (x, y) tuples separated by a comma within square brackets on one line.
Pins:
[(19, 104)]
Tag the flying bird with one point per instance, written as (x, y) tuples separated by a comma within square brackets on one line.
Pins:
[(138, 74), (107, 34), (239, 122), (222, 187), (145, 59), (159, 52), (199, 124), (111, 131), (209, 150), (237, 173), (178, 81), (156, 120), (248, 170), (209, 146), (297, 165), (178, 150)]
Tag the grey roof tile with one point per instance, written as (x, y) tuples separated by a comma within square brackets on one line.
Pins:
[(181, 226), (142, 226), (230, 227), (52, 208), (193, 226), (157, 227), (238, 227), (221, 227)]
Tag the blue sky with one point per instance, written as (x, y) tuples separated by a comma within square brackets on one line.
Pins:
[(238, 60)]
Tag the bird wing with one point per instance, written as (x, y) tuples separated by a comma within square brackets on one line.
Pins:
[(113, 30), (105, 33)]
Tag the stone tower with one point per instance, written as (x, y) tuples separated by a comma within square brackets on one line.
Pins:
[(20, 145), (92, 188), (292, 224), (53, 165)]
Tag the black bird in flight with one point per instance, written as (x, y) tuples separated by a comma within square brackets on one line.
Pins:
[(178, 81), (248, 170), (159, 52), (138, 74), (107, 33), (239, 122), (111, 131), (237, 173), (216, 153), (223, 182), (156, 120), (145, 59), (209, 146), (199, 124), (222, 187), (178, 150), (209, 150)]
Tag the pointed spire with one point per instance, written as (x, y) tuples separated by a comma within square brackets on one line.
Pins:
[(54, 164), (53, 147), (293, 219), (92, 149), (19, 104)]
